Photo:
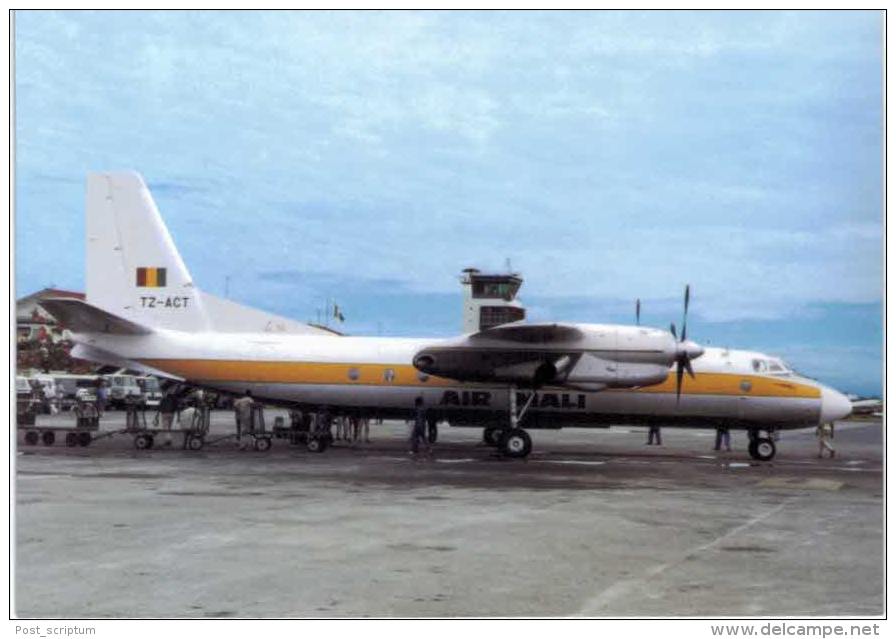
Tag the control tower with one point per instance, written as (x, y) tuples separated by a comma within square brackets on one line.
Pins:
[(490, 299)]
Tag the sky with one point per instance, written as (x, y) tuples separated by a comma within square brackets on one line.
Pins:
[(369, 157)]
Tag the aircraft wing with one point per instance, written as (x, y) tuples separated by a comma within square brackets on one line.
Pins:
[(520, 333), (514, 353)]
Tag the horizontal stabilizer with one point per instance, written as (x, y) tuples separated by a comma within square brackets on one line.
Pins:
[(94, 354), (80, 317)]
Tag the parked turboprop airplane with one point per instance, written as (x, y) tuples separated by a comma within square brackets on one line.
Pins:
[(143, 312)]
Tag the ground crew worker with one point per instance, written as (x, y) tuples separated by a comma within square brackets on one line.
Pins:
[(825, 433), (342, 431), (654, 433), (723, 438), (242, 409), (362, 427), (168, 405), (102, 395), (418, 429), (323, 422)]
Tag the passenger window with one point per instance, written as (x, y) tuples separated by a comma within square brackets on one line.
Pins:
[(354, 374), (389, 375), (423, 377)]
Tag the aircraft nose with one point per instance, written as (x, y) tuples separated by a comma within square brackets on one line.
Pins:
[(834, 405)]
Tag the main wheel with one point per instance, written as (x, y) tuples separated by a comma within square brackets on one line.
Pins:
[(84, 439), (142, 442), (48, 438), (762, 448), (432, 431), (262, 444), (71, 439), (316, 444), (195, 442), (516, 443), (31, 438), (492, 436)]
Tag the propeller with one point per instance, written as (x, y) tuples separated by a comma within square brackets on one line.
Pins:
[(638, 311), (685, 350)]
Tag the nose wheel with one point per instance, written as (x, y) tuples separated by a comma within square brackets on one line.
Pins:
[(762, 448)]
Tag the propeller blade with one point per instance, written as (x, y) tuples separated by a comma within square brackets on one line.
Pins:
[(638, 311), (672, 330), (687, 367), (684, 320), (679, 373)]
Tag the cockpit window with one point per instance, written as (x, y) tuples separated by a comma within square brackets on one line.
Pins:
[(775, 366), (759, 365)]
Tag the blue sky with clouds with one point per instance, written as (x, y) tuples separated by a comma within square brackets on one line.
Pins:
[(369, 157)]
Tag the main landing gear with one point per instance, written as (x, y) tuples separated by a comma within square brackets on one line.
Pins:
[(762, 448), (514, 441)]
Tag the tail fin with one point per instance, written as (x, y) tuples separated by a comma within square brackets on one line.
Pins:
[(135, 272), (133, 267)]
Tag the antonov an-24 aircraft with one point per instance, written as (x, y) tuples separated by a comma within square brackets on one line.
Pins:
[(143, 312)]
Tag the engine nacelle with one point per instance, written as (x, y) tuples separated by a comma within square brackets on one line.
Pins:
[(593, 370)]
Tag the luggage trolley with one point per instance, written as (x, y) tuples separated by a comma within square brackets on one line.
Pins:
[(197, 430), (261, 437), (144, 436), (303, 429), (87, 422)]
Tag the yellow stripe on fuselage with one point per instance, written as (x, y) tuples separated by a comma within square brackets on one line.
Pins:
[(212, 370), (152, 277)]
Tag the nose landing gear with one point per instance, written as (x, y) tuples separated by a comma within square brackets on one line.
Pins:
[(762, 448)]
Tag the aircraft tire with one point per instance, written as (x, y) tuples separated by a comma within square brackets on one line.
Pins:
[(316, 444), (84, 439), (71, 440), (492, 436), (516, 443), (195, 442), (31, 438), (262, 444), (142, 442), (762, 449), (48, 438)]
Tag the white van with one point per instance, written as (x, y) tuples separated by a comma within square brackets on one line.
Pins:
[(123, 389)]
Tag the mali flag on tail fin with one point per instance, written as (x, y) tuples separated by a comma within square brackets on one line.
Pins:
[(151, 276)]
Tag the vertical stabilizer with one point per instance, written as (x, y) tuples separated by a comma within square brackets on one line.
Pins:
[(133, 267)]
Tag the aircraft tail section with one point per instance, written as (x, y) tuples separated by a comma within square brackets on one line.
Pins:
[(133, 267), (134, 270), (81, 317)]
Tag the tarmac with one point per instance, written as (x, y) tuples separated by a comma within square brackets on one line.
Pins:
[(593, 523)]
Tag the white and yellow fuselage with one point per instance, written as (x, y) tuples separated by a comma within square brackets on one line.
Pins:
[(375, 376)]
